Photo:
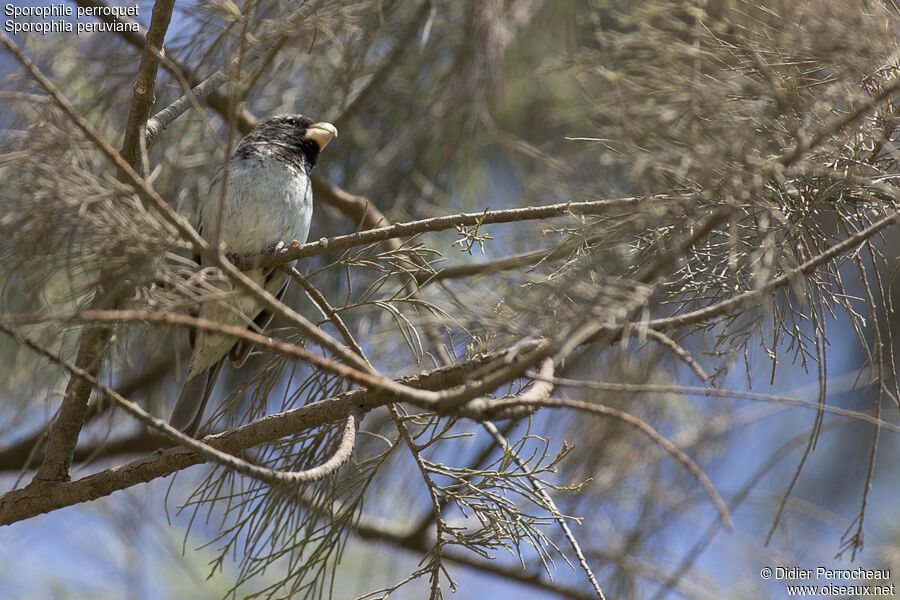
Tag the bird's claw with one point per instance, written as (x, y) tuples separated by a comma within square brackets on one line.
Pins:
[(236, 259), (271, 250)]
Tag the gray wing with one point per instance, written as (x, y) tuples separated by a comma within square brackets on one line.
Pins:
[(241, 350), (188, 411)]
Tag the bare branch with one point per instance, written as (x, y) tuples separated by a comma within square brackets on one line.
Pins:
[(144, 89), (266, 475), (41, 497), (368, 376), (486, 217), (165, 117)]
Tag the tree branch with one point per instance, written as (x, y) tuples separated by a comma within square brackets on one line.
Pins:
[(23, 454), (746, 299), (363, 375), (165, 117), (143, 94), (511, 215), (43, 496), (673, 450)]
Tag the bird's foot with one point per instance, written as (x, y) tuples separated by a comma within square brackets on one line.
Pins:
[(272, 251), (237, 260)]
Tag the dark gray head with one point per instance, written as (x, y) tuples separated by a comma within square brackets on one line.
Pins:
[(294, 138)]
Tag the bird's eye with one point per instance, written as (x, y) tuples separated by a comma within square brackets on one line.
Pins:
[(292, 121)]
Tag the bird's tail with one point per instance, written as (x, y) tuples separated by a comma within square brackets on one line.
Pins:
[(188, 412)]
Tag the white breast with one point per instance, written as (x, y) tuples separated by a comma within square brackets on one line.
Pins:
[(266, 202)]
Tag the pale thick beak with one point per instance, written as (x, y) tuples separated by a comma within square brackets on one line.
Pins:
[(321, 133)]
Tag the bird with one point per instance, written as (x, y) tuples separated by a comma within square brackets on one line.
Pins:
[(267, 203)]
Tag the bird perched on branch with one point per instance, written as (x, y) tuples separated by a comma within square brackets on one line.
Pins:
[(267, 203)]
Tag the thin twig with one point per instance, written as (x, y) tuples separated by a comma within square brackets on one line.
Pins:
[(676, 349), (540, 393), (263, 474), (166, 116), (746, 299), (370, 236), (330, 313), (720, 393), (366, 376), (673, 450), (865, 107)]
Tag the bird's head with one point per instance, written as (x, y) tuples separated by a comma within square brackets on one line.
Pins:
[(297, 133)]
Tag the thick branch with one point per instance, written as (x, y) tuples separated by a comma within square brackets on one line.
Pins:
[(143, 93), (42, 497), (70, 419), (29, 451)]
